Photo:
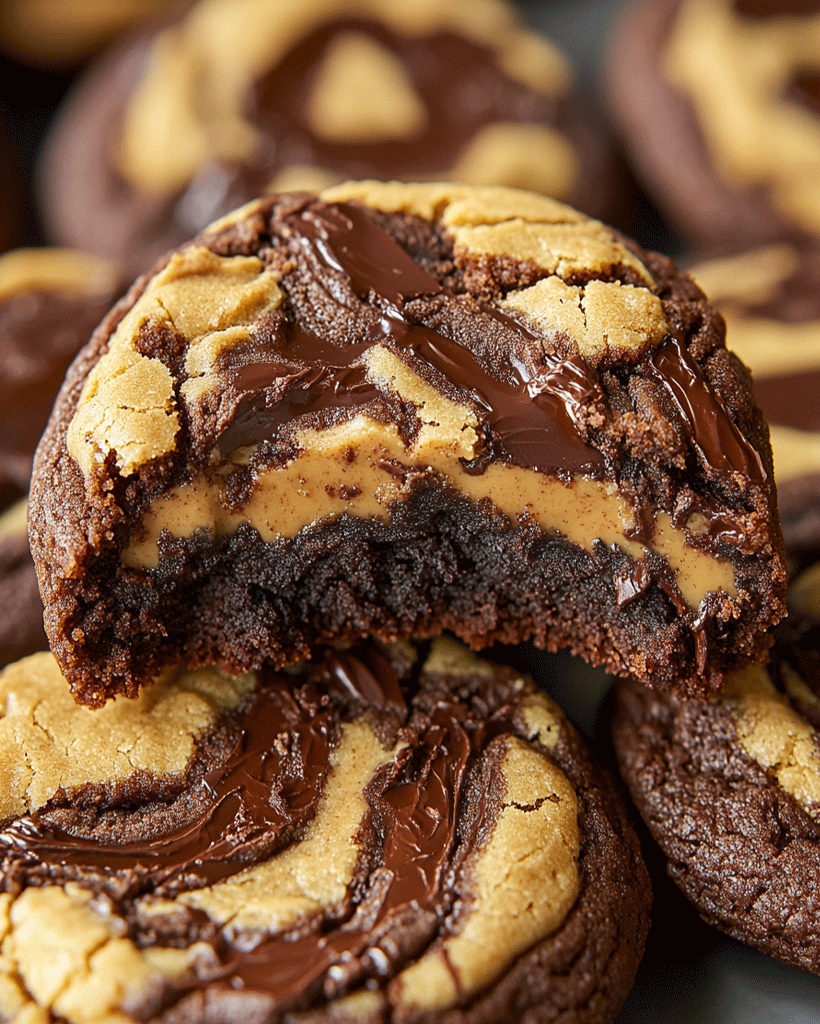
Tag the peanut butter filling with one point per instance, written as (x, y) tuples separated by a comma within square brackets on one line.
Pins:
[(351, 470)]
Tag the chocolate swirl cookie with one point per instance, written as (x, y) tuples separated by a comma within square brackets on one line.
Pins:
[(719, 102), (770, 297), (368, 838), (730, 788), (237, 98), (399, 409)]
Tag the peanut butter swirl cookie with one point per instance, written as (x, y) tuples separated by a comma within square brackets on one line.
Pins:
[(236, 98), (730, 788), (370, 838), (719, 103), (391, 410)]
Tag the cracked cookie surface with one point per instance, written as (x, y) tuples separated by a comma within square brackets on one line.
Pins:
[(395, 409), (374, 837), (730, 788)]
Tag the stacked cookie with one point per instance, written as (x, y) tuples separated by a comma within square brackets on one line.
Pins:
[(360, 418)]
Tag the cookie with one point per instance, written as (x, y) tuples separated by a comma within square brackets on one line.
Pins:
[(730, 788), (719, 104), (21, 610), (62, 35), (368, 838), (50, 302), (770, 297), (400, 409), (236, 99)]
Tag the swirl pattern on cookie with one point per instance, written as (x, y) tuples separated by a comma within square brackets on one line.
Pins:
[(365, 837)]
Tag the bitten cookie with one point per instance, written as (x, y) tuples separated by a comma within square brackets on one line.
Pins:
[(770, 297), (730, 788), (50, 302), (238, 98), (400, 409), (366, 839), (719, 104)]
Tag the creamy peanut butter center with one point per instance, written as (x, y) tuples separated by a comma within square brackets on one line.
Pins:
[(360, 469)]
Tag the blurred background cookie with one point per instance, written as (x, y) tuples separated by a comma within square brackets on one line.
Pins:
[(50, 302), (241, 97), (21, 610), (58, 35), (770, 297), (718, 102), (730, 788)]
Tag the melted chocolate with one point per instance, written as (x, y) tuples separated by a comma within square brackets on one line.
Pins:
[(535, 418), (790, 400), (271, 783), (721, 446)]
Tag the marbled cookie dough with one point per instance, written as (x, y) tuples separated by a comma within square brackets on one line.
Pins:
[(242, 97), (770, 297), (719, 103), (369, 838), (395, 409), (730, 788)]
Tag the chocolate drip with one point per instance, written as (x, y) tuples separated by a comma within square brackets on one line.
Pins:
[(719, 443), (791, 399), (271, 783), (536, 419)]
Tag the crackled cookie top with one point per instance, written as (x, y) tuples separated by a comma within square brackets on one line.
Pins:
[(758, 106), (363, 836)]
